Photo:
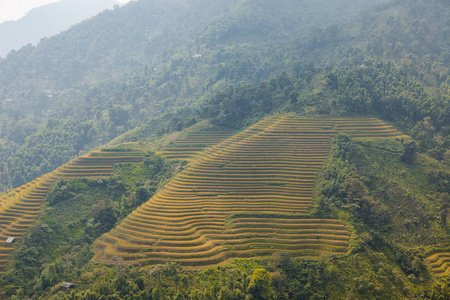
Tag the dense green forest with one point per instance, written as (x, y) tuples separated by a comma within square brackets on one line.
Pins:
[(149, 69)]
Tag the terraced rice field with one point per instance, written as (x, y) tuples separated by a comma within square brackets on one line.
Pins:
[(188, 145), (244, 197), (439, 262), (366, 128), (21, 208)]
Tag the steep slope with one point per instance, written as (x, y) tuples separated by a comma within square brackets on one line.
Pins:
[(243, 197), (131, 79), (186, 145), (20, 209), (413, 34), (149, 58), (149, 31), (393, 203)]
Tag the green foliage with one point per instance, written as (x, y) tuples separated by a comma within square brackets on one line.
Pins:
[(71, 74), (337, 170), (392, 62), (47, 149), (60, 246), (259, 286), (64, 190), (233, 106), (409, 153), (141, 181), (66, 250), (385, 194), (382, 87)]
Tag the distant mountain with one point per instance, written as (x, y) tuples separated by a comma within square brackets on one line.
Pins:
[(48, 20), (150, 32)]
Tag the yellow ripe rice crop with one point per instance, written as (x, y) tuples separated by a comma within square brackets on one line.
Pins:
[(243, 195), (268, 169), (21, 208), (439, 262)]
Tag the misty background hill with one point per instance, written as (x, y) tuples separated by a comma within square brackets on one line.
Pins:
[(46, 21), (150, 31)]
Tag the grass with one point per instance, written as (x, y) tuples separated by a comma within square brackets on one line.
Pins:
[(405, 188)]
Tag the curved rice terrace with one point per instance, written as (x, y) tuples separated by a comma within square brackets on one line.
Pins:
[(20, 208), (246, 197), (439, 262), (199, 137)]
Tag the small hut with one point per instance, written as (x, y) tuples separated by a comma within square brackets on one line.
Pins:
[(67, 285), (10, 240)]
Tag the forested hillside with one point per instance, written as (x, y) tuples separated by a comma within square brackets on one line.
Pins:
[(234, 97), (160, 68), (128, 65)]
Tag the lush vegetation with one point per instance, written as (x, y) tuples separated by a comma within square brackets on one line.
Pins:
[(61, 245), (45, 150), (165, 74), (151, 72), (386, 258)]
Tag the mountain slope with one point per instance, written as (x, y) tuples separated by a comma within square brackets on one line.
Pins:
[(269, 168), (147, 31), (21, 208), (246, 197), (148, 58), (224, 72)]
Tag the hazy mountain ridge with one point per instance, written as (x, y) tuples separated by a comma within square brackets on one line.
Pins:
[(138, 33), (47, 21)]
